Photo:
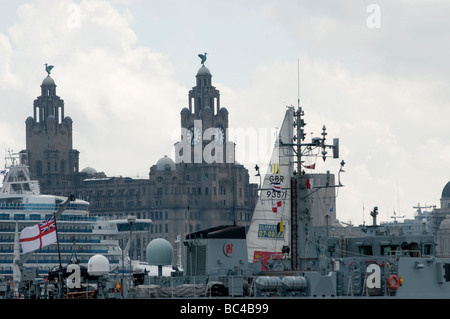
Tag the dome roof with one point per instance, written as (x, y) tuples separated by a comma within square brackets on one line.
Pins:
[(68, 119), (203, 71), (89, 170), (165, 163), (446, 191), (48, 81)]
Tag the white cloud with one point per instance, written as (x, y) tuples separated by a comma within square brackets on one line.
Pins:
[(383, 92), (115, 92)]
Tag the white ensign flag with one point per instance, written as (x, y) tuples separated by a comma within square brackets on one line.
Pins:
[(38, 236)]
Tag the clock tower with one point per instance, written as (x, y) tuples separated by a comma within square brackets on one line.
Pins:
[(204, 125), (51, 158)]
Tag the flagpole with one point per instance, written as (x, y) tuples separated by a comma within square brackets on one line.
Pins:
[(56, 215), (61, 281), (57, 243)]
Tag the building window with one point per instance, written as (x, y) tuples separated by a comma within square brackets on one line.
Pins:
[(62, 166), (39, 168)]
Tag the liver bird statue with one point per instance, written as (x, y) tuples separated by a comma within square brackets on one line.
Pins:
[(203, 57), (48, 68)]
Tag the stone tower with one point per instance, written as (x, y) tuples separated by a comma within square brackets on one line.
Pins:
[(51, 158), (204, 125)]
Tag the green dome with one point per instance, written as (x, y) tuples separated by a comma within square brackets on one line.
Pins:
[(159, 252)]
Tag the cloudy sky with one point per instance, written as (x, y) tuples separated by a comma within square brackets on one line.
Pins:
[(376, 73)]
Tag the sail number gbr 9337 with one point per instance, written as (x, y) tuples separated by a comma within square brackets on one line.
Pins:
[(276, 191)]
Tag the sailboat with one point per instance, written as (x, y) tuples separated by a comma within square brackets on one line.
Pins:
[(269, 232), (282, 220)]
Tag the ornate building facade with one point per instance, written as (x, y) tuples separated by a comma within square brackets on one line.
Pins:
[(202, 188), (51, 156)]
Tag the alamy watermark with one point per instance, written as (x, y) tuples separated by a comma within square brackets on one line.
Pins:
[(218, 145), (73, 20), (374, 19)]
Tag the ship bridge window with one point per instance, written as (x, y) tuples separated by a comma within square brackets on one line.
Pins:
[(366, 250), (428, 249), (389, 249), (412, 249)]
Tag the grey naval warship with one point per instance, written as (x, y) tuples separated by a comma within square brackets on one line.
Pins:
[(281, 255)]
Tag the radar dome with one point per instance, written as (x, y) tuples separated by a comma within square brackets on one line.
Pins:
[(159, 252), (98, 265)]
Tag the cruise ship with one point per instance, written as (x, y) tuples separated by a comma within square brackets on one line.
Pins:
[(80, 235)]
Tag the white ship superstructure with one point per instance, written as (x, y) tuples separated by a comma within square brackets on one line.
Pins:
[(79, 234)]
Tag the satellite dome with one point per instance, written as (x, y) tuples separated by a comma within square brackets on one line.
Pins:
[(98, 265), (159, 252), (165, 163)]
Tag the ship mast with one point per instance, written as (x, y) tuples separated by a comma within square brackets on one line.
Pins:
[(303, 247)]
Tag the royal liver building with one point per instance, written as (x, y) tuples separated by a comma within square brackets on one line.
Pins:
[(201, 187)]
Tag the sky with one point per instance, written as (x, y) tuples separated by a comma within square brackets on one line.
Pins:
[(376, 73)]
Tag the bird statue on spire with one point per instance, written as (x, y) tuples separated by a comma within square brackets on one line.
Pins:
[(48, 68), (203, 58)]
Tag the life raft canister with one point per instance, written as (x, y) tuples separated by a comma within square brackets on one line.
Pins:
[(397, 282)]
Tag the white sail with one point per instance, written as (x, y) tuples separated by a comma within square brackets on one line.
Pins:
[(270, 227)]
